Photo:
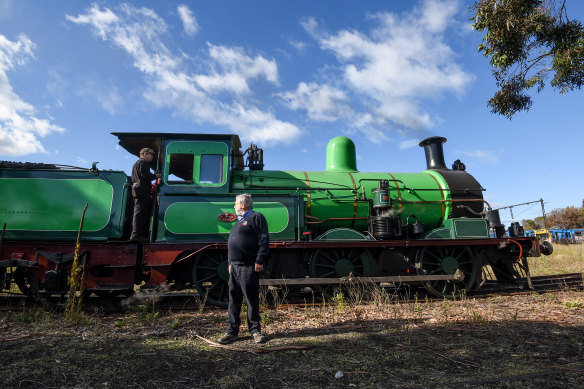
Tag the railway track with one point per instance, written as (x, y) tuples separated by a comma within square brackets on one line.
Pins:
[(540, 284), (192, 301)]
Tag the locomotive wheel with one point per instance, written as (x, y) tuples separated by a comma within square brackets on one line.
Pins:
[(513, 272), (27, 282), (211, 277), (522, 271), (338, 263), (437, 260)]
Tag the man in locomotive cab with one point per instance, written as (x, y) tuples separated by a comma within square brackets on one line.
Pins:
[(248, 247), (141, 179)]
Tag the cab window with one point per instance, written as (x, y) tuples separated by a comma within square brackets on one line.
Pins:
[(211, 169), (196, 163), (180, 170)]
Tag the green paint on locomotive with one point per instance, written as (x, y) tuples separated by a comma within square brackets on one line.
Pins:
[(191, 165), (341, 155), (460, 228), (47, 205), (44, 204), (340, 199), (202, 217), (202, 173)]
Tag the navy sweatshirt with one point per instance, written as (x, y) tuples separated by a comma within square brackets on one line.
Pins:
[(249, 241)]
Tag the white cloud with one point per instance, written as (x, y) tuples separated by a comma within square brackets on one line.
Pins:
[(298, 45), (139, 32), (233, 82), (188, 19), (236, 68), (15, 52), (322, 102), (20, 128), (374, 134), (437, 14), (310, 25), (486, 156), (235, 60), (402, 61), (81, 161), (408, 144), (100, 20)]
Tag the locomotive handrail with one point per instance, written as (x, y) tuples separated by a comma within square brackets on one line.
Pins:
[(333, 219), (444, 201), (339, 186), (36, 166), (419, 189)]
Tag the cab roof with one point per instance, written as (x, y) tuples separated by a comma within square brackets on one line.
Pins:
[(133, 142)]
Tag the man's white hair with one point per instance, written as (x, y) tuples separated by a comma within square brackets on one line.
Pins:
[(245, 198)]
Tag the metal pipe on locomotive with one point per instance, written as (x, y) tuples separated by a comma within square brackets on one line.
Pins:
[(432, 227)]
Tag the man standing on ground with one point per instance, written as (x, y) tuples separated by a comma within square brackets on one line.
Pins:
[(248, 247), (141, 179)]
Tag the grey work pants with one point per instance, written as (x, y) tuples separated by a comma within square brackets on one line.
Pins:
[(244, 281)]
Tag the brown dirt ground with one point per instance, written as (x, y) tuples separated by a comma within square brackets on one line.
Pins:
[(529, 341)]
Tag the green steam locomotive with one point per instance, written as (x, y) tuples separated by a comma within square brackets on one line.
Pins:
[(432, 227)]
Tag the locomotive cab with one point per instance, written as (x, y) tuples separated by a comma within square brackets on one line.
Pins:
[(189, 163)]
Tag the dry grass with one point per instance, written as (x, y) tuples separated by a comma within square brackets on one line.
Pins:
[(564, 259), (373, 338), (502, 342)]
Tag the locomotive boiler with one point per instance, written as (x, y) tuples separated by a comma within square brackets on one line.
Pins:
[(433, 227)]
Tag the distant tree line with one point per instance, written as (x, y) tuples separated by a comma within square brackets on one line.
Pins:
[(558, 219)]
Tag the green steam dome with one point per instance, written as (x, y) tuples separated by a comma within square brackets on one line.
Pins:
[(341, 155)]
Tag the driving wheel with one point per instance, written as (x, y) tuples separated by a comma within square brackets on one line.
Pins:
[(436, 260), (211, 277), (339, 263)]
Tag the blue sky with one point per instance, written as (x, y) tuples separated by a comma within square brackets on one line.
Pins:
[(286, 75)]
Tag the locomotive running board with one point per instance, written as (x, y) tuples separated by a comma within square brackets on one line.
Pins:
[(458, 276)]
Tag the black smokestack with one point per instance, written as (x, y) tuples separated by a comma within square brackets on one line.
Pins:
[(434, 152)]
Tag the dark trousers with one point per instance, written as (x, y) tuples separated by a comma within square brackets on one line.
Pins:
[(244, 281), (141, 219)]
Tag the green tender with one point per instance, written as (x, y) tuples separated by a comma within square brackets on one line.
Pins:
[(48, 205)]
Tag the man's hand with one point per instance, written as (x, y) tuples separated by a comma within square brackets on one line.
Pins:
[(258, 267)]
